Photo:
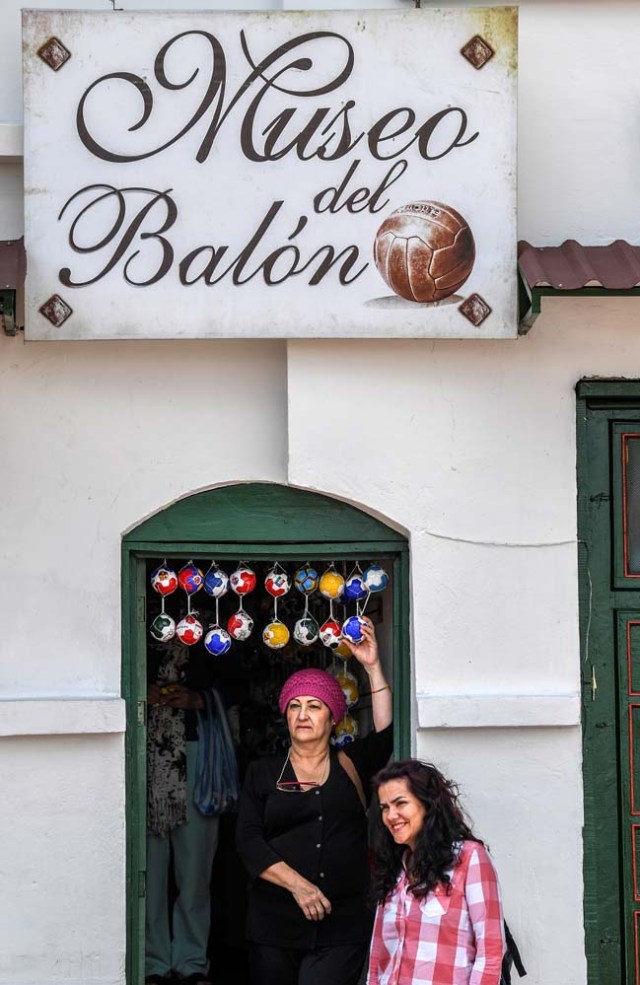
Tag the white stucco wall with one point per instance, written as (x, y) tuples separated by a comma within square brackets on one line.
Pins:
[(479, 465), (101, 437), (61, 861), (469, 446)]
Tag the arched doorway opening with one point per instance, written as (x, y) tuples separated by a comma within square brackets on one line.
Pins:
[(259, 524)]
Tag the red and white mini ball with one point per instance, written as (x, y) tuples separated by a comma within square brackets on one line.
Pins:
[(277, 583), (164, 580), (240, 625), (424, 251), (243, 580), (330, 633), (189, 630), (190, 578)]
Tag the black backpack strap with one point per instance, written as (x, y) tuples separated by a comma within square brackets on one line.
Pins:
[(512, 950)]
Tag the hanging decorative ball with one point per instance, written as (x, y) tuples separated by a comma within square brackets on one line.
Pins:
[(352, 629), (243, 580), (330, 633), (189, 630), (345, 732), (275, 635), (331, 584), (306, 631), (163, 628), (342, 650), (216, 582), (349, 685), (217, 642), (354, 587), (376, 578), (164, 580), (240, 625), (277, 583), (190, 578), (306, 579)]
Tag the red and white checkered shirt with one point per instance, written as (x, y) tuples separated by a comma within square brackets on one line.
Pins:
[(442, 939)]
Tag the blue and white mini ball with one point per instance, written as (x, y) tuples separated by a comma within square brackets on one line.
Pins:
[(352, 629), (354, 588), (375, 578), (216, 582), (217, 642)]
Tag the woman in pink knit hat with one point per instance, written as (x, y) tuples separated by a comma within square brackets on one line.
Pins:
[(302, 834)]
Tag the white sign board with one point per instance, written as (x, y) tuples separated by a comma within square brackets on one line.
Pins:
[(240, 175)]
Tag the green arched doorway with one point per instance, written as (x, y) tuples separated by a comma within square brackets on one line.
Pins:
[(253, 522)]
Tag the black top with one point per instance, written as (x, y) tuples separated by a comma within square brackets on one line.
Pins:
[(201, 672), (322, 834)]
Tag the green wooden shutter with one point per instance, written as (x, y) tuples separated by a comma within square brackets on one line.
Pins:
[(608, 414)]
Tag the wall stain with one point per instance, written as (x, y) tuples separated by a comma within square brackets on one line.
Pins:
[(498, 26)]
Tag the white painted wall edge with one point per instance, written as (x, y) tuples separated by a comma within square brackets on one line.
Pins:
[(66, 981), (11, 142), (497, 710), (61, 716)]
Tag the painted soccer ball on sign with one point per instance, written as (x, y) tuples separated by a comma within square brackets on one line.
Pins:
[(424, 251)]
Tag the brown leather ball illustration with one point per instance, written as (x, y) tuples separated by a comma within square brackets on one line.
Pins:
[(424, 251)]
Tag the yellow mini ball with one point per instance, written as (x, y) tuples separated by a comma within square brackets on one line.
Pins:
[(345, 732), (349, 686), (331, 584), (275, 635), (342, 650)]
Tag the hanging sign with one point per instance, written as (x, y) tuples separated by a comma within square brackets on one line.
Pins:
[(285, 175)]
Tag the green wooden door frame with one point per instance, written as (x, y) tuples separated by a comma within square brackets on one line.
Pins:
[(253, 521), (607, 602)]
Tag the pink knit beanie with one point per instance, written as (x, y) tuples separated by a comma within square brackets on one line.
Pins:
[(317, 684)]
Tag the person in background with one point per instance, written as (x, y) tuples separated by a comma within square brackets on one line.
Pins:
[(439, 914), (302, 834), (191, 779)]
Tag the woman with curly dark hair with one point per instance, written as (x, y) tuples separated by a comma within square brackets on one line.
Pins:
[(439, 915)]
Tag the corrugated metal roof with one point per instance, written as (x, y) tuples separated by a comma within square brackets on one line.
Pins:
[(572, 266), (12, 264)]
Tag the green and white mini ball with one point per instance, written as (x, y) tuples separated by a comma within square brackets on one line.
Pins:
[(306, 631), (163, 628)]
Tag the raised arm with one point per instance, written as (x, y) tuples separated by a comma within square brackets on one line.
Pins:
[(366, 653)]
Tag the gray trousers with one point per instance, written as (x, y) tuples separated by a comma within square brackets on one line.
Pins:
[(194, 846)]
